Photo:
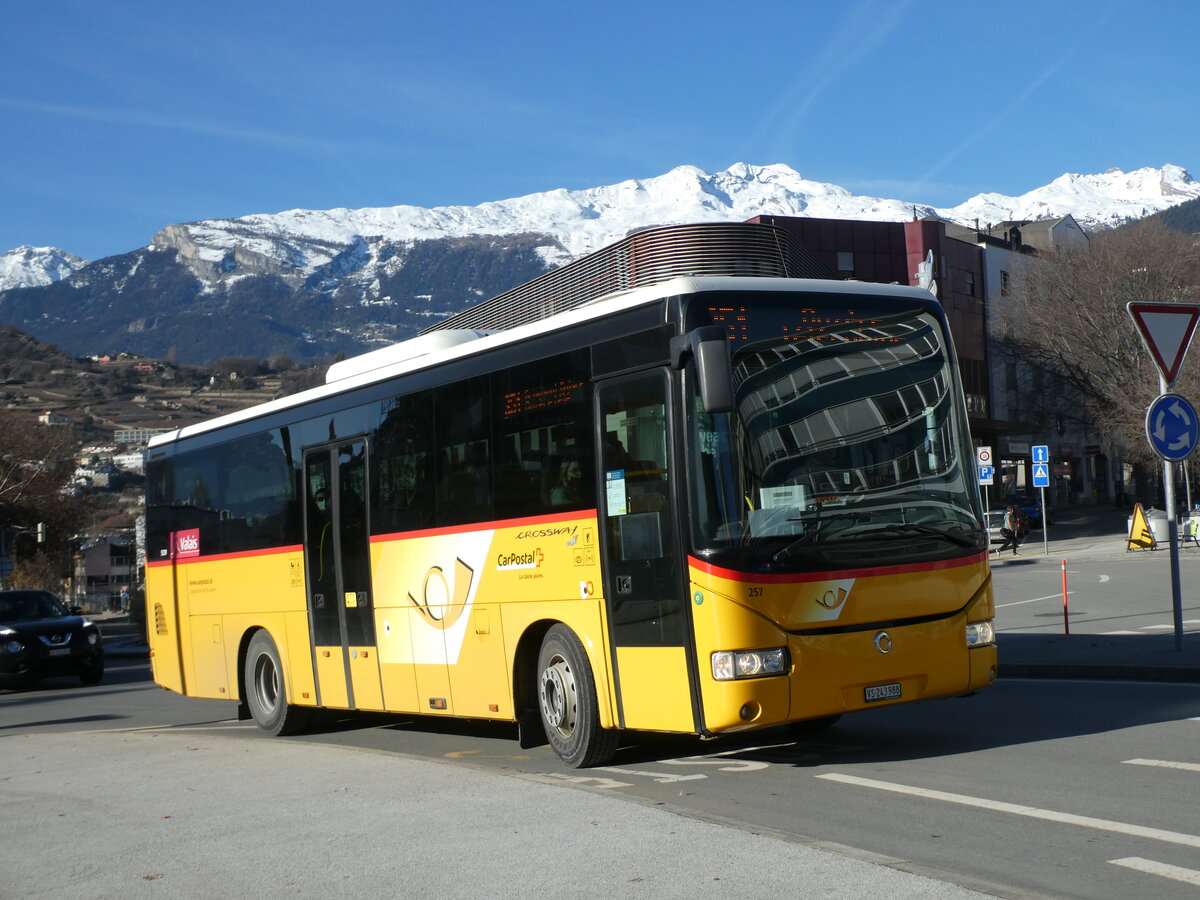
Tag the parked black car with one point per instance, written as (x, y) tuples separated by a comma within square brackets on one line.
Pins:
[(39, 636)]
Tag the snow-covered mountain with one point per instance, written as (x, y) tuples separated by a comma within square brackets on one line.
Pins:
[(35, 266), (311, 283), (586, 220)]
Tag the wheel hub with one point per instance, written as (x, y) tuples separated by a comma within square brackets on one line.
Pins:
[(558, 696)]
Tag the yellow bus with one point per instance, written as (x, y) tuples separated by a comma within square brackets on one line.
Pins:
[(706, 505)]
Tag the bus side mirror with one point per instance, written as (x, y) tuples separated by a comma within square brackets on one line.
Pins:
[(708, 346)]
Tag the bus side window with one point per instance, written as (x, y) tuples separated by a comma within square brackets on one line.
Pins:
[(402, 466), (543, 425), (463, 428)]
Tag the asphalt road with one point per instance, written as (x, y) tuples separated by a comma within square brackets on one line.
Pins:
[(1029, 789), (1112, 592)]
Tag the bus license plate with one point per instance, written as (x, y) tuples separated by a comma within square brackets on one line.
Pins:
[(882, 692)]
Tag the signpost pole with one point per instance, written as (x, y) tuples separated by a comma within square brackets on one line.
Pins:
[(1172, 536), (1045, 525)]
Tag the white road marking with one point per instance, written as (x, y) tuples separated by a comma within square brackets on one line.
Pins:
[(1103, 579), (1163, 764), (606, 783), (660, 777), (1032, 812), (1057, 596), (1119, 632), (1149, 866)]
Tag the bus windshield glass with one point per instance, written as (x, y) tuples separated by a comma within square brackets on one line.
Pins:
[(848, 443)]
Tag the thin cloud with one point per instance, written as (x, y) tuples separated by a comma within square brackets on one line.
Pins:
[(865, 28), (1019, 100), (111, 116)]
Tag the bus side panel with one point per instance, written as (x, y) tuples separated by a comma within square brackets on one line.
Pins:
[(162, 626), (483, 652), (230, 594), (331, 675), (364, 676), (209, 678), (451, 608)]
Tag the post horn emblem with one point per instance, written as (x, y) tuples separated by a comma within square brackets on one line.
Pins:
[(883, 642)]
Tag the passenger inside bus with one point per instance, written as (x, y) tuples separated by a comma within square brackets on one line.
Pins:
[(567, 491)]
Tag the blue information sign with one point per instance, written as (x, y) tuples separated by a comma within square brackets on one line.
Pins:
[(1041, 475), (1171, 427), (1041, 453)]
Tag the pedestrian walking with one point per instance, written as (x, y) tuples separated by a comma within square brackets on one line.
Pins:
[(1010, 530)]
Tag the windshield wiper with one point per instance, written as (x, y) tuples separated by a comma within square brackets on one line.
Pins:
[(906, 528), (812, 535)]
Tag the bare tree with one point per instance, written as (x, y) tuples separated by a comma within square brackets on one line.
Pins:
[(1068, 319), (36, 463)]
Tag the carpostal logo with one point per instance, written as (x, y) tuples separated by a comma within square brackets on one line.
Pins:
[(563, 530), (185, 543), (530, 559)]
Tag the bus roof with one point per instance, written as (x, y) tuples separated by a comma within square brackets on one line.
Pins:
[(434, 348)]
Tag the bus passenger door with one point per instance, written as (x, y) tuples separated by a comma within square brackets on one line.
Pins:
[(643, 580), (338, 568)]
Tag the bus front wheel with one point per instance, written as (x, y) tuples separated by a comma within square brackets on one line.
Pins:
[(567, 701), (265, 691)]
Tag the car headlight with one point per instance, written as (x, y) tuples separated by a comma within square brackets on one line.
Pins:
[(93, 637), (980, 634), (12, 646), (728, 665)]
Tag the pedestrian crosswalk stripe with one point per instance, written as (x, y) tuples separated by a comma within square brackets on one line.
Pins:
[(1163, 764), (1032, 812), (1166, 870)]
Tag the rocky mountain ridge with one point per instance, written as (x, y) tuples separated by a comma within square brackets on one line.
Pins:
[(311, 283)]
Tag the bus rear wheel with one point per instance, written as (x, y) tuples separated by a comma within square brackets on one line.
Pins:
[(265, 691), (567, 701)]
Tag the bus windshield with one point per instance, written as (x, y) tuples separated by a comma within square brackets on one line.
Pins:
[(848, 443)]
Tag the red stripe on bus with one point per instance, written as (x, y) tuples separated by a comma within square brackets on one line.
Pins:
[(547, 519), (802, 577), (216, 557)]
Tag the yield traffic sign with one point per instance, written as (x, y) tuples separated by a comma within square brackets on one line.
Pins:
[(1166, 330)]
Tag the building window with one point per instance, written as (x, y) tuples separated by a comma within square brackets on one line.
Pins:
[(845, 261), (1003, 283), (970, 284)]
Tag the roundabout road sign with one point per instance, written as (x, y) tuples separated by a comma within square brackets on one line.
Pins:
[(1171, 427)]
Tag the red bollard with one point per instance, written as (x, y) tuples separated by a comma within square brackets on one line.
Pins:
[(1066, 619)]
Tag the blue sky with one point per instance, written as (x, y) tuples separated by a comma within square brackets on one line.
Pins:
[(118, 117)]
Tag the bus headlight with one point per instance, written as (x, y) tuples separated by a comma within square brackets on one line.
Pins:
[(728, 665), (980, 634)]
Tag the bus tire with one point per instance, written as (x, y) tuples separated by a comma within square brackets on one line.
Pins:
[(567, 702), (265, 692)]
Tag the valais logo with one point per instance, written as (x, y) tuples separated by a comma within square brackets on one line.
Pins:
[(185, 543)]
